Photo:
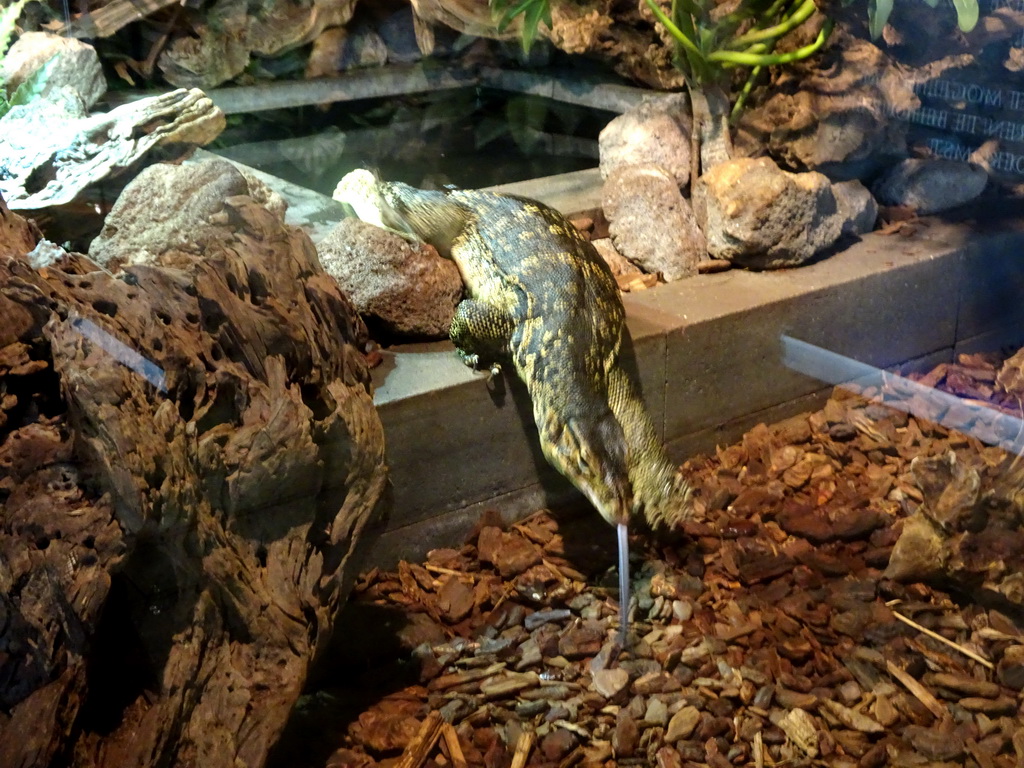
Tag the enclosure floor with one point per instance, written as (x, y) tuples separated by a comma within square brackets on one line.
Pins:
[(768, 631)]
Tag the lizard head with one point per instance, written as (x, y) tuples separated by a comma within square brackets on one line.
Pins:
[(591, 454)]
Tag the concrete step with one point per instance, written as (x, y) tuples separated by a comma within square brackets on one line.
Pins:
[(709, 350)]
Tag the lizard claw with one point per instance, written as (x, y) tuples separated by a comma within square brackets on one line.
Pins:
[(472, 360)]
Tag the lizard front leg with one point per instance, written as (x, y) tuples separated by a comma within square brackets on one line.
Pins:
[(481, 334)]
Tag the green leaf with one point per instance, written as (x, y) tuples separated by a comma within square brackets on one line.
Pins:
[(878, 16), (8, 19), (531, 20), (966, 14), (33, 86)]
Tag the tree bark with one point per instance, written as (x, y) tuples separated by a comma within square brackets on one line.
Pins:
[(189, 453)]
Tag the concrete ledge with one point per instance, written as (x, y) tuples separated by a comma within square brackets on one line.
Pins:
[(709, 355), (400, 80)]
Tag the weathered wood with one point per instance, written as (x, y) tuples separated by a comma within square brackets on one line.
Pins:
[(188, 463)]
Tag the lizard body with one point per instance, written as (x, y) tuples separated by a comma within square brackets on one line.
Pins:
[(541, 297)]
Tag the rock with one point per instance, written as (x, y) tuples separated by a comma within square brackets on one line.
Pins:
[(651, 223), (167, 209), (610, 682), (833, 113), (405, 288), (399, 36), (626, 736), (930, 185), (758, 216), (857, 207), (224, 37), (682, 725), (557, 744), (655, 132), (918, 553), (657, 712), (339, 49), (70, 64), (47, 141), (1010, 668)]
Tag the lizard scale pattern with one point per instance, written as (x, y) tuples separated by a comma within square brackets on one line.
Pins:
[(540, 297)]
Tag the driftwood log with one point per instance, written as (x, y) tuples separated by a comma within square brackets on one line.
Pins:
[(188, 455)]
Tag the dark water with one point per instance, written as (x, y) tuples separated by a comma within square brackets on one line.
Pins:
[(469, 137)]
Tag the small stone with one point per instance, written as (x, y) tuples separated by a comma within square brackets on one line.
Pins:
[(557, 744), (667, 757), (857, 206), (930, 185), (71, 64), (655, 132), (655, 682), (934, 743), (626, 736), (580, 642), (682, 610), (610, 682), (1010, 668), (657, 712), (537, 618), (849, 692), (651, 223), (682, 724)]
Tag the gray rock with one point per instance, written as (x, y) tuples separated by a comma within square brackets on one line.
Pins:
[(404, 287), (651, 223), (930, 185), (51, 151), (75, 65), (834, 113), (168, 208), (656, 132), (857, 206), (758, 216)]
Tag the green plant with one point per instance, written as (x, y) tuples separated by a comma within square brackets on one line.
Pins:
[(532, 11), (8, 20), (879, 11), (709, 48)]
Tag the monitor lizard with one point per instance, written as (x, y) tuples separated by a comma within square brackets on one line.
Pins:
[(541, 297)]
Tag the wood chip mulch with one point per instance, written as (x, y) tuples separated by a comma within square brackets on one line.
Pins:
[(770, 634)]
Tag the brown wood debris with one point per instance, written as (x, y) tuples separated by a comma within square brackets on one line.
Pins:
[(769, 635)]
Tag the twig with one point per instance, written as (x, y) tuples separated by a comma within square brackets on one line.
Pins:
[(450, 571), (451, 742), (758, 750), (523, 747), (423, 743), (936, 636), (934, 706)]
